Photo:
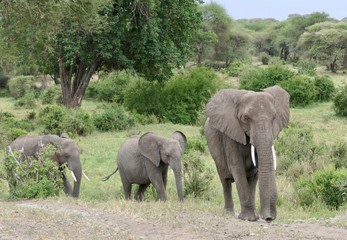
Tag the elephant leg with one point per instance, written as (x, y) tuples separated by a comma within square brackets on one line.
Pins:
[(252, 182), (141, 191), (228, 199), (158, 184), (67, 185), (126, 185)]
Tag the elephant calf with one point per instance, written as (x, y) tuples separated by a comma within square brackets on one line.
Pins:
[(145, 159), (69, 153)]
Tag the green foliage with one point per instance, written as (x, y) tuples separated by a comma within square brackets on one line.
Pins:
[(260, 78), (307, 67), (338, 155), (21, 85), (33, 177), (56, 119), (325, 88), (301, 89), (297, 152), (28, 101), (144, 119), (264, 58), (186, 94), (113, 117), (236, 68), (144, 97), (196, 175), (340, 102), (3, 81), (328, 186), (15, 128), (52, 95), (111, 87)]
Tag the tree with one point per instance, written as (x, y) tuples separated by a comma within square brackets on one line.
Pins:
[(327, 43), (76, 38)]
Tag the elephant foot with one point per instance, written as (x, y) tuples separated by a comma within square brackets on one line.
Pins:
[(230, 210), (248, 216)]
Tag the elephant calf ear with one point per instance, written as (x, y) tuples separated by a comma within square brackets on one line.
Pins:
[(149, 144), (181, 138)]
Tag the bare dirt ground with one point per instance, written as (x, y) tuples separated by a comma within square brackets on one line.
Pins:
[(47, 219)]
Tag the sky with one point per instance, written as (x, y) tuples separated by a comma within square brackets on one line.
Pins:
[(280, 9)]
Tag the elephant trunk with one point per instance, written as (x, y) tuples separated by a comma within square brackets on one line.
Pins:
[(267, 183), (77, 172), (177, 169)]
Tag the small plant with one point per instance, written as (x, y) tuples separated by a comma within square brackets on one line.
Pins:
[(307, 67), (51, 117), (21, 85), (325, 88), (196, 176), (328, 186), (340, 102), (33, 177), (52, 95), (28, 101), (77, 122), (301, 89), (339, 155), (112, 118)]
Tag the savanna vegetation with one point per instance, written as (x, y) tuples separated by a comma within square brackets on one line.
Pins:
[(103, 70)]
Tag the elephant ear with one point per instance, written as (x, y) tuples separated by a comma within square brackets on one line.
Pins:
[(282, 108), (181, 138), (221, 111), (149, 145)]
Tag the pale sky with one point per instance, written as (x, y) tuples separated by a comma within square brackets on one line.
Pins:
[(280, 9)]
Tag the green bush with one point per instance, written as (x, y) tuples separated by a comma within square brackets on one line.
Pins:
[(340, 102), (15, 128), (33, 177), (325, 88), (56, 119), (3, 81), (144, 119), (185, 95), (21, 85), (52, 95), (297, 152), (113, 117), (111, 87), (338, 155), (28, 101), (260, 78), (236, 68), (144, 97), (196, 176), (306, 67), (328, 186), (264, 58), (301, 89)]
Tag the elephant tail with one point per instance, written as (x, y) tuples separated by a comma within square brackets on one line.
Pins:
[(106, 178)]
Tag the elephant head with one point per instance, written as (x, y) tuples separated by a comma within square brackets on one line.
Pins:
[(68, 153), (169, 151), (254, 118)]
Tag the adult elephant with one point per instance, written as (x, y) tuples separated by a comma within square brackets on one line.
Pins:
[(145, 159), (68, 153), (240, 129)]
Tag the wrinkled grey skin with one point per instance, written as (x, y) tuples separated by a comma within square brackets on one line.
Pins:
[(145, 159), (69, 154), (235, 120)]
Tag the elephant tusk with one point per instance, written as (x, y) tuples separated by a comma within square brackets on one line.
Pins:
[(253, 155), (274, 157), (85, 176), (73, 176)]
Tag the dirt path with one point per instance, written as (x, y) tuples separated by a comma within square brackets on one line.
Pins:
[(46, 219)]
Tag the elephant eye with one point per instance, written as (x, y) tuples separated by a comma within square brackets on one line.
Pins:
[(245, 118)]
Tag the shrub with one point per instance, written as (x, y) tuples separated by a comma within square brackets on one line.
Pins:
[(113, 117), (51, 117), (329, 186), (15, 128), (33, 177), (196, 176), (340, 102), (52, 95), (297, 152), (307, 67), (185, 95), (144, 119), (57, 119), (3, 81), (338, 155), (259, 78), (264, 58), (21, 85), (111, 87), (28, 101), (325, 88), (144, 97), (236, 68), (301, 89)]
